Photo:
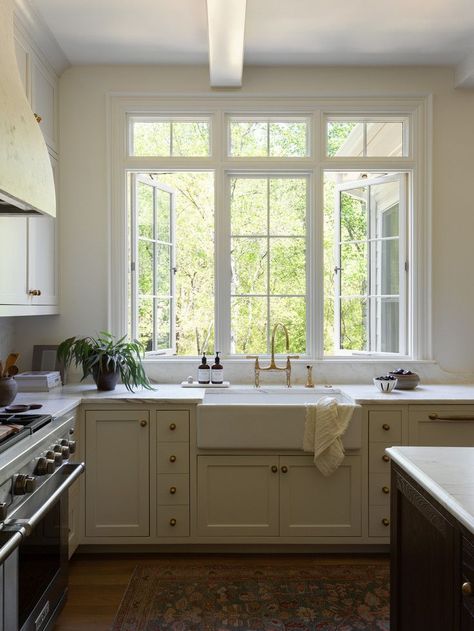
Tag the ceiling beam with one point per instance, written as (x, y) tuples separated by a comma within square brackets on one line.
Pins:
[(226, 26)]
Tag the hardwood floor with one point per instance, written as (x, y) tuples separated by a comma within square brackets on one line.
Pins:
[(97, 584)]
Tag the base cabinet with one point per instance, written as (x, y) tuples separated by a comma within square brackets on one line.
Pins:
[(286, 496)]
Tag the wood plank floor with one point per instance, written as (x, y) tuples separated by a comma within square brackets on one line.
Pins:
[(97, 583)]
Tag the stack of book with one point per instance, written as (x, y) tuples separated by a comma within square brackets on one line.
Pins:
[(38, 380)]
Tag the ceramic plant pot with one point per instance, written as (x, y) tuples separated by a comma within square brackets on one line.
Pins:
[(8, 390), (106, 379)]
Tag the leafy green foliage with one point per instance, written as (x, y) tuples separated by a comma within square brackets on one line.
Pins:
[(106, 354)]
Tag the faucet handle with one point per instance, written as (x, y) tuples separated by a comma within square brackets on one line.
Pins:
[(293, 356)]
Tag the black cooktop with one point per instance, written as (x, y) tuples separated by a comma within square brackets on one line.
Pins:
[(29, 423)]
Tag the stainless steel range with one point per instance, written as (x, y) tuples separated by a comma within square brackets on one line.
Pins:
[(36, 469)]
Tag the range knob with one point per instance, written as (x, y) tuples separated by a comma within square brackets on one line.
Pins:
[(55, 456), (24, 484), (69, 443), (30, 483), (57, 448), (44, 466), (65, 452)]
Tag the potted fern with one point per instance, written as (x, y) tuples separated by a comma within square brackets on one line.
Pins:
[(107, 359)]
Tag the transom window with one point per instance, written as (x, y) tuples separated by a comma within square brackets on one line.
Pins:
[(274, 224)]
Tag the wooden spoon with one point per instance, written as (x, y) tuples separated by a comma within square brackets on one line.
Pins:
[(12, 371), (11, 361)]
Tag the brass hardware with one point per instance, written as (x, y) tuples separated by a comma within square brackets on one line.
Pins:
[(385, 490), (386, 427), (309, 377), (284, 469), (272, 366), (38, 117), (172, 458), (143, 423), (274, 469), (385, 521), (454, 417), (34, 292), (172, 426), (466, 588), (386, 458), (172, 490), (173, 522)]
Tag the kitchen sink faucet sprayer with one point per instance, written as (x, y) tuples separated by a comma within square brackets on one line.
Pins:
[(273, 367)]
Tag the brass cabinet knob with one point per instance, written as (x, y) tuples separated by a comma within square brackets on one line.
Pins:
[(172, 426), (172, 490), (284, 469), (385, 521), (466, 588), (274, 469), (143, 423), (38, 117), (34, 292), (385, 490), (172, 458), (173, 522), (386, 427), (386, 458)]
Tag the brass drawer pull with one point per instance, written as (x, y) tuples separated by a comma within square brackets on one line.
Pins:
[(172, 426), (34, 292), (284, 469), (385, 490), (173, 522), (172, 490), (143, 423), (454, 417), (172, 458), (274, 469), (386, 458), (386, 522), (466, 588), (386, 427)]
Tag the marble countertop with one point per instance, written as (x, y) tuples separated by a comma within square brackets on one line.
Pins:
[(446, 473), (64, 399)]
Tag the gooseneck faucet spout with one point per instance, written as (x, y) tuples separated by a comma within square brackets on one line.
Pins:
[(273, 366)]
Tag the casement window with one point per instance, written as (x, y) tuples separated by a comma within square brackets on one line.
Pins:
[(238, 219)]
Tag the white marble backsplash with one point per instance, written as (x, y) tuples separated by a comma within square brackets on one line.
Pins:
[(7, 337)]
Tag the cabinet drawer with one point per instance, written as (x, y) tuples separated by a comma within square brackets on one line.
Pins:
[(379, 489), (386, 427), (173, 488), (169, 515), (173, 458), (173, 426), (379, 521), (442, 425), (379, 461)]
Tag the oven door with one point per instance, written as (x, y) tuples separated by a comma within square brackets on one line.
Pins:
[(42, 555)]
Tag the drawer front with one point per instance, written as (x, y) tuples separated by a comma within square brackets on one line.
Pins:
[(173, 426), (379, 521), (386, 427), (442, 425), (173, 458), (379, 461), (173, 521), (379, 489), (173, 488)]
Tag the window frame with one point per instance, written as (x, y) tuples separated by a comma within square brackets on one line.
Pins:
[(418, 110)]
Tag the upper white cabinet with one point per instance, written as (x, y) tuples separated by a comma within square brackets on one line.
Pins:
[(13, 273), (43, 101)]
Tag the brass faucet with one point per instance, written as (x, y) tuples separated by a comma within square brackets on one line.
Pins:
[(273, 366)]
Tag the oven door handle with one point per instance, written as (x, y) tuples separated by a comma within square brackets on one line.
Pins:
[(27, 525), (11, 545)]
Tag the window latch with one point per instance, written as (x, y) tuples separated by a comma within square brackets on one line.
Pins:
[(174, 270), (337, 269)]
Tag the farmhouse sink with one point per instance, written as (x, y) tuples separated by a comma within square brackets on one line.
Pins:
[(264, 418)]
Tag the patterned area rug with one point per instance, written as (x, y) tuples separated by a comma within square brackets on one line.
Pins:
[(256, 595)]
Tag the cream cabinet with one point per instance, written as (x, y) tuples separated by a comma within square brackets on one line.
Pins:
[(117, 473), (442, 425), (271, 496)]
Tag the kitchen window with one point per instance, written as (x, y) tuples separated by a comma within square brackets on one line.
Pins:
[(307, 216)]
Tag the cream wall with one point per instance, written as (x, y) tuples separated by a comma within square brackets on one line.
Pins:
[(84, 182), (7, 337)]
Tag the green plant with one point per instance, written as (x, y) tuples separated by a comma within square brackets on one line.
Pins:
[(106, 354)]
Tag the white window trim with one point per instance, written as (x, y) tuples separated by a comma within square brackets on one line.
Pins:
[(417, 108)]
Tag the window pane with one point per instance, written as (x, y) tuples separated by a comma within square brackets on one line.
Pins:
[(384, 139), (389, 314), (163, 274), (145, 267), (162, 323), (151, 138), (388, 265), (390, 222), (249, 325), (163, 215), (145, 322), (288, 199), (288, 139), (287, 266), (354, 324), (354, 275), (248, 139), (248, 206), (145, 210), (249, 266), (190, 138), (354, 222), (292, 313), (345, 138)]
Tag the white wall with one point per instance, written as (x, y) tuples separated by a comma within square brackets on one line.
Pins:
[(7, 338), (84, 186)]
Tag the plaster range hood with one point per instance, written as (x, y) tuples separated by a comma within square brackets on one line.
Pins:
[(26, 176)]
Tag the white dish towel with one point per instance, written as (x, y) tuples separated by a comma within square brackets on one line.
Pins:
[(326, 421)]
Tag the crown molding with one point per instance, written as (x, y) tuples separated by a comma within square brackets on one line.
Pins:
[(27, 18)]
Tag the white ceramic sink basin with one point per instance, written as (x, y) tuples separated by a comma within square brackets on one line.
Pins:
[(266, 418)]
